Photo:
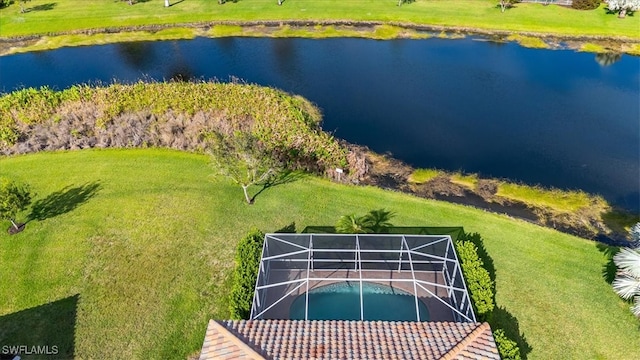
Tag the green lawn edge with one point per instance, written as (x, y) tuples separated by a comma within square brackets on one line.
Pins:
[(143, 260)]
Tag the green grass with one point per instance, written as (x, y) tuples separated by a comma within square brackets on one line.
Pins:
[(421, 176), (594, 48), (558, 200), (73, 15), (528, 41), (555, 200), (468, 181), (54, 42), (149, 256)]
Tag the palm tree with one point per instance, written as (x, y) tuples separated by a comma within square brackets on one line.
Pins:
[(376, 221), (351, 224), (627, 282)]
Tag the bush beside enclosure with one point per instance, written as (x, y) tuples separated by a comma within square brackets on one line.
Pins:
[(482, 291), (245, 274)]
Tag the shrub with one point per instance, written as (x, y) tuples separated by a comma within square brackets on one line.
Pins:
[(245, 274), (507, 348), (374, 222), (585, 4), (481, 287), (14, 198), (173, 114)]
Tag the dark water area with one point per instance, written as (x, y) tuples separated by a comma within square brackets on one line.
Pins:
[(551, 117)]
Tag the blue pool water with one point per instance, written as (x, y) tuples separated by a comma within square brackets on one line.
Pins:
[(341, 301)]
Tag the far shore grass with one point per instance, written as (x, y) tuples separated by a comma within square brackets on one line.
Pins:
[(532, 195), (131, 253), (77, 21)]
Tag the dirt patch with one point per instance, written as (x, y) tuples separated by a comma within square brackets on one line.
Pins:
[(12, 230)]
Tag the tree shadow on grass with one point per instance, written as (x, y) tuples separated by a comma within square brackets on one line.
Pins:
[(285, 177), (609, 269), (63, 201), (42, 7), (50, 326)]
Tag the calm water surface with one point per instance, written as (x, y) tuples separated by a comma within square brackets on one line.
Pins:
[(555, 118)]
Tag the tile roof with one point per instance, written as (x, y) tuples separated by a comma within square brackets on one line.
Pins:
[(341, 339)]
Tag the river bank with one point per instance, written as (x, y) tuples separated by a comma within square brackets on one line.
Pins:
[(591, 217), (96, 21), (159, 115), (313, 29)]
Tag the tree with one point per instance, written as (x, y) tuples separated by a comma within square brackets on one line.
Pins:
[(506, 4), (22, 4), (350, 224), (400, 2), (634, 233), (13, 199), (242, 158), (376, 221), (623, 6), (627, 282)]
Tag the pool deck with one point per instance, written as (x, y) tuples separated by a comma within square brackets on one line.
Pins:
[(437, 310)]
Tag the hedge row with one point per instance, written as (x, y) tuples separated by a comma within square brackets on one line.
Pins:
[(481, 287), (507, 348), (482, 290), (245, 274)]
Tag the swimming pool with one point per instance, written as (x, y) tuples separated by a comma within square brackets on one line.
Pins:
[(341, 301)]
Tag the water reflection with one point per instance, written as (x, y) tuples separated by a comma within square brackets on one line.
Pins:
[(286, 61), (139, 55), (179, 69), (608, 59)]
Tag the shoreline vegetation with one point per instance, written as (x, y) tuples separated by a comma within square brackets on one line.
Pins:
[(160, 115), (531, 25), (574, 212)]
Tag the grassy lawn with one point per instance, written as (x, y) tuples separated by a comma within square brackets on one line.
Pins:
[(136, 247), (46, 16)]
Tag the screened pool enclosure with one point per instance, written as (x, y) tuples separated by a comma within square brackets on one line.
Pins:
[(302, 270)]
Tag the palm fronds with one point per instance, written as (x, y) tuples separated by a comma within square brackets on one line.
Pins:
[(627, 282)]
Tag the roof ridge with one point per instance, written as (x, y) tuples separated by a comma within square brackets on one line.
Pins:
[(468, 340), (230, 336)]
